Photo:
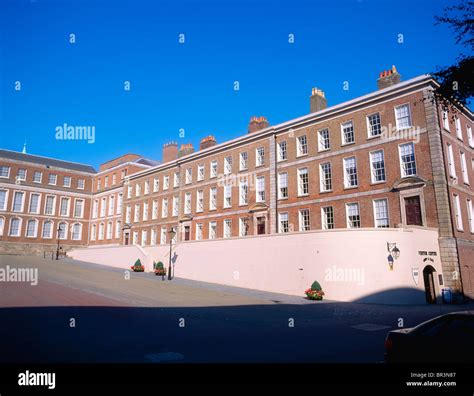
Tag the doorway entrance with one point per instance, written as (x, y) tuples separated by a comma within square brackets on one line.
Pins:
[(187, 232), (413, 211), (428, 277), (260, 225), (126, 238)]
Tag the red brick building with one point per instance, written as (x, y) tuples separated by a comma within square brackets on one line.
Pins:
[(392, 158)]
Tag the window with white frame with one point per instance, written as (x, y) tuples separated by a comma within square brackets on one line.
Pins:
[(189, 175), (129, 192), (31, 227), (465, 176), (4, 171), (128, 214), (3, 199), (15, 226), (123, 174), (93, 232), (119, 203), (451, 165), (212, 230), (64, 207), (153, 237), (213, 169), (47, 230), (323, 140), (227, 228), (80, 184), (38, 176), (304, 220), (103, 206), (49, 205), (101, 231), (106, 182), (62, 231), (303, 182), (144, 237), (260, 189), (200, 201), (145, 211), (243, 163), (199, 231), (175, 206), (381, 213), (163, 236), (135, 238), (403, 116), (187, 203), (67, 181), (457, 212), (243, 226), (164, 207), (118, 228), (445, 120), (260, 156), (407, 159), (243, 192), (111, 205), (347, 131), (95, 209), (301, 146), (156, 184), (283, 185), (470, 215), (200, 175), (136, 213), (114, 179), (350, 172), (213, 198), (34, 203), (18, 199), (98, 184), (76, 231), (21, 175), (283, 222), (374, 125), (470, 138), (227, 196), (228, 165), (154, 212), (377, 166), (147, 187), (2, 225), (79, 208), (166, 182), (52, 179), (109, 230), (138, 189), (325, 177), (353, 215), (457, 123), (282, 151)]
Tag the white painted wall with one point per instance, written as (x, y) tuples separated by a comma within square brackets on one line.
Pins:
[(289, 263)]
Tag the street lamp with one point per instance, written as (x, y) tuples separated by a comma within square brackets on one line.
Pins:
[(57, 250), (171, 233)]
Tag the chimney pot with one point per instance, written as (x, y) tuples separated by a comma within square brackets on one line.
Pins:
[(388, 78), (257, 124)]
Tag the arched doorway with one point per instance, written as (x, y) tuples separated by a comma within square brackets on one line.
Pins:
[(430, 291)]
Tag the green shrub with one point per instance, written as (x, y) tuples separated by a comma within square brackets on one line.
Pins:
[(138, 263), (316, 286), (158, 265)]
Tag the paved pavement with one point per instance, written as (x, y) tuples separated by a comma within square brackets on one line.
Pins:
[(82, 312)]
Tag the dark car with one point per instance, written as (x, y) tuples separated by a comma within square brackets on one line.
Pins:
[(446, 338)]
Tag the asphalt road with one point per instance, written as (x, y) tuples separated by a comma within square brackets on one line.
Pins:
[(86, 313)]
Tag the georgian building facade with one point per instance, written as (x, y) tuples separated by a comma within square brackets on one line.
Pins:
[(392, 158)]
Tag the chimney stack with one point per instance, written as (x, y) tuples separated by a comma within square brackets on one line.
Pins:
[(388, 78), (257, 124), (317, 100), (207, 142), (185, 149), (170, 152)]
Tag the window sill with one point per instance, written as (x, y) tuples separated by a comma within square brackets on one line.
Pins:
[(326, 191), (347, 144), (378, 182), (301, 155), (324, 150), (351, 188), (374, 137), (302, 195), (282, 160), (282, 198)]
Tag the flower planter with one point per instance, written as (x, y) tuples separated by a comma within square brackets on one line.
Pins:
[(314, 294), (137, 268), (160, 271)]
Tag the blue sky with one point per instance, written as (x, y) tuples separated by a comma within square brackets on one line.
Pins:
[(189, 86)]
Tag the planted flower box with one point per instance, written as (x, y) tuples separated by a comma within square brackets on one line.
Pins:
[(315, 292), (138, 267), (159, 268)]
